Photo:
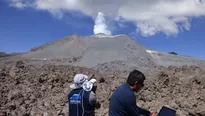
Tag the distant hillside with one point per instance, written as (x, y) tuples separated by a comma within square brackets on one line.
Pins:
[(3, 54), (174, 53)]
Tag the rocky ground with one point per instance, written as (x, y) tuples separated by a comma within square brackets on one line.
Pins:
[(32, 90), (182, 89)]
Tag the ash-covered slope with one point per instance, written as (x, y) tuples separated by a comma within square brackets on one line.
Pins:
[(90, 51), (107, 53), (166, 59)]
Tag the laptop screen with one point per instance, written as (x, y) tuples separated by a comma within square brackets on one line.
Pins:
[(165, 111)]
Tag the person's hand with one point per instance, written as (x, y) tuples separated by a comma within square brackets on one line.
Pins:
[(94, 87), (153, 114)]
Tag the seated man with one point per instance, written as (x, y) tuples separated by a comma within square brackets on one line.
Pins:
[(123, 100)]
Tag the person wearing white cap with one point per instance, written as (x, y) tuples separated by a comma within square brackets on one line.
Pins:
[(82, 98)]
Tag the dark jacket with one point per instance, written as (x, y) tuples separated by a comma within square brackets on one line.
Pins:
[(79, 104), (123, 103)]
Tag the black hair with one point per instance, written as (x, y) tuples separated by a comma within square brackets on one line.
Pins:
[(135, 76)]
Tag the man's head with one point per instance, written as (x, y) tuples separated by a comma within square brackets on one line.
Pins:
[(136, 80), (78, 81)]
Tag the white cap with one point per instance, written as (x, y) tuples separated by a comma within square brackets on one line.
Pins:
[(79, 79)]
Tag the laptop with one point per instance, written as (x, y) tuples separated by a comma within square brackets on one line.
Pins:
[(165, 111)]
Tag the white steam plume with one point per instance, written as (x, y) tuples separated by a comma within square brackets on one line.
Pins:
[(100, 25)]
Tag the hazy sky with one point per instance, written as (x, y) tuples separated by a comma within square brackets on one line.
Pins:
[(161, 25)]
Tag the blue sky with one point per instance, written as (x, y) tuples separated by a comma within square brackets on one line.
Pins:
[(22, 29)]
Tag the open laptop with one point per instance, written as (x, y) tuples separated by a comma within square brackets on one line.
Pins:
[(165, 111)]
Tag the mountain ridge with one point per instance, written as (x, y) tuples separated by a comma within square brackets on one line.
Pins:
[(96, 50)]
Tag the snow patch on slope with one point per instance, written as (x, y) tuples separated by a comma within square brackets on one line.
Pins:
[(152, 52)]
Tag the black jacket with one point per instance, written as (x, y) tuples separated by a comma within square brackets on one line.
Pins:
[(79, 104), (123, 103)]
